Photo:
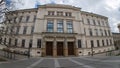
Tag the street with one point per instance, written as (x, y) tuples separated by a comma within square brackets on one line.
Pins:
[(65, 62)]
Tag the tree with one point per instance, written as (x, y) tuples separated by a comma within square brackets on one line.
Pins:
[(8, 21)]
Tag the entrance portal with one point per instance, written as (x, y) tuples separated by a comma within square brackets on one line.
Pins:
[(49, 48), (60, 48), (70, 48)]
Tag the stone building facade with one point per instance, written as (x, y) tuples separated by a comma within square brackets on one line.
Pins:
[(59, 30)]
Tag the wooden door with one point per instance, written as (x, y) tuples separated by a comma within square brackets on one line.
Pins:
[(49, 48), (70, 48)]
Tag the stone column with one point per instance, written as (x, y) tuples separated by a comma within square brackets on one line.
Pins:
[(65, 48), (76, 47), (43, 47), (54, 48)]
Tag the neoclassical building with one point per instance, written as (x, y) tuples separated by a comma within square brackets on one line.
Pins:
[(59, 30)]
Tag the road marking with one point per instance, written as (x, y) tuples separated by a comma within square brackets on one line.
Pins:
[(36, 63), (81, 64), (57, 65)]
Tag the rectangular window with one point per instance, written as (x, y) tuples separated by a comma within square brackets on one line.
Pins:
[(60, 26), (92, 43), (90, 32), (69, 27), (16, 40), (50, 26), (96, 31), (25, 30), (39, 43), (110, 42), (88, 21), (0, 40), (101, 32), (103, 43), (4, 40), (34, 19), (30, 43), (59, 13), (32, 29), (9, 42), (107, 42), (94, 22), (79, 44), (98, 43), (15, 19), (27, 18), (50, 12), (85, 31), (17, 30), (20, 19), (109, 32), (98, 22), (105, 32), (68, 14), (23, 43)]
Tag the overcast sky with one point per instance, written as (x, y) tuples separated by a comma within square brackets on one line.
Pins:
[(109, 8)]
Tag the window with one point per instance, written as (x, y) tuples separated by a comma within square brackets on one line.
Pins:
[(101, 32), (39, 43), (0, 40), (17, 30), (68, 14), (23, 43), (30, 43), (110, 42), (96, 31), (60, 26), (27, 18), (98, 22), (9, 42), (59, 13), (4, 40), (15, 19), (105, 32), (88, 21), (32, 29), (50, 26), (92, 43), (6, 32), (107, 42), (98, 43), (69, 27), (79, 44), (20, 18), (34, 18), (25, 30), (85, 31), (103, 43), (94, 22), (109, 32), (50, 12), (103, 23), (16, 40), (90, 32)]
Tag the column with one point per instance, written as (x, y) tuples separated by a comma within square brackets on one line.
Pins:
[(54, 48), (65, 48), (76, 47), (43, 47)]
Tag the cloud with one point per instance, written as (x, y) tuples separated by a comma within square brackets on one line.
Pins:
[(109, 8)]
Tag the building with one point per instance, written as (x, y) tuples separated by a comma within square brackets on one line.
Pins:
[(59, 30), (116, 38)]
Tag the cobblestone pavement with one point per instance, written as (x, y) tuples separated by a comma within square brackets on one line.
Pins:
[(65, 62)]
